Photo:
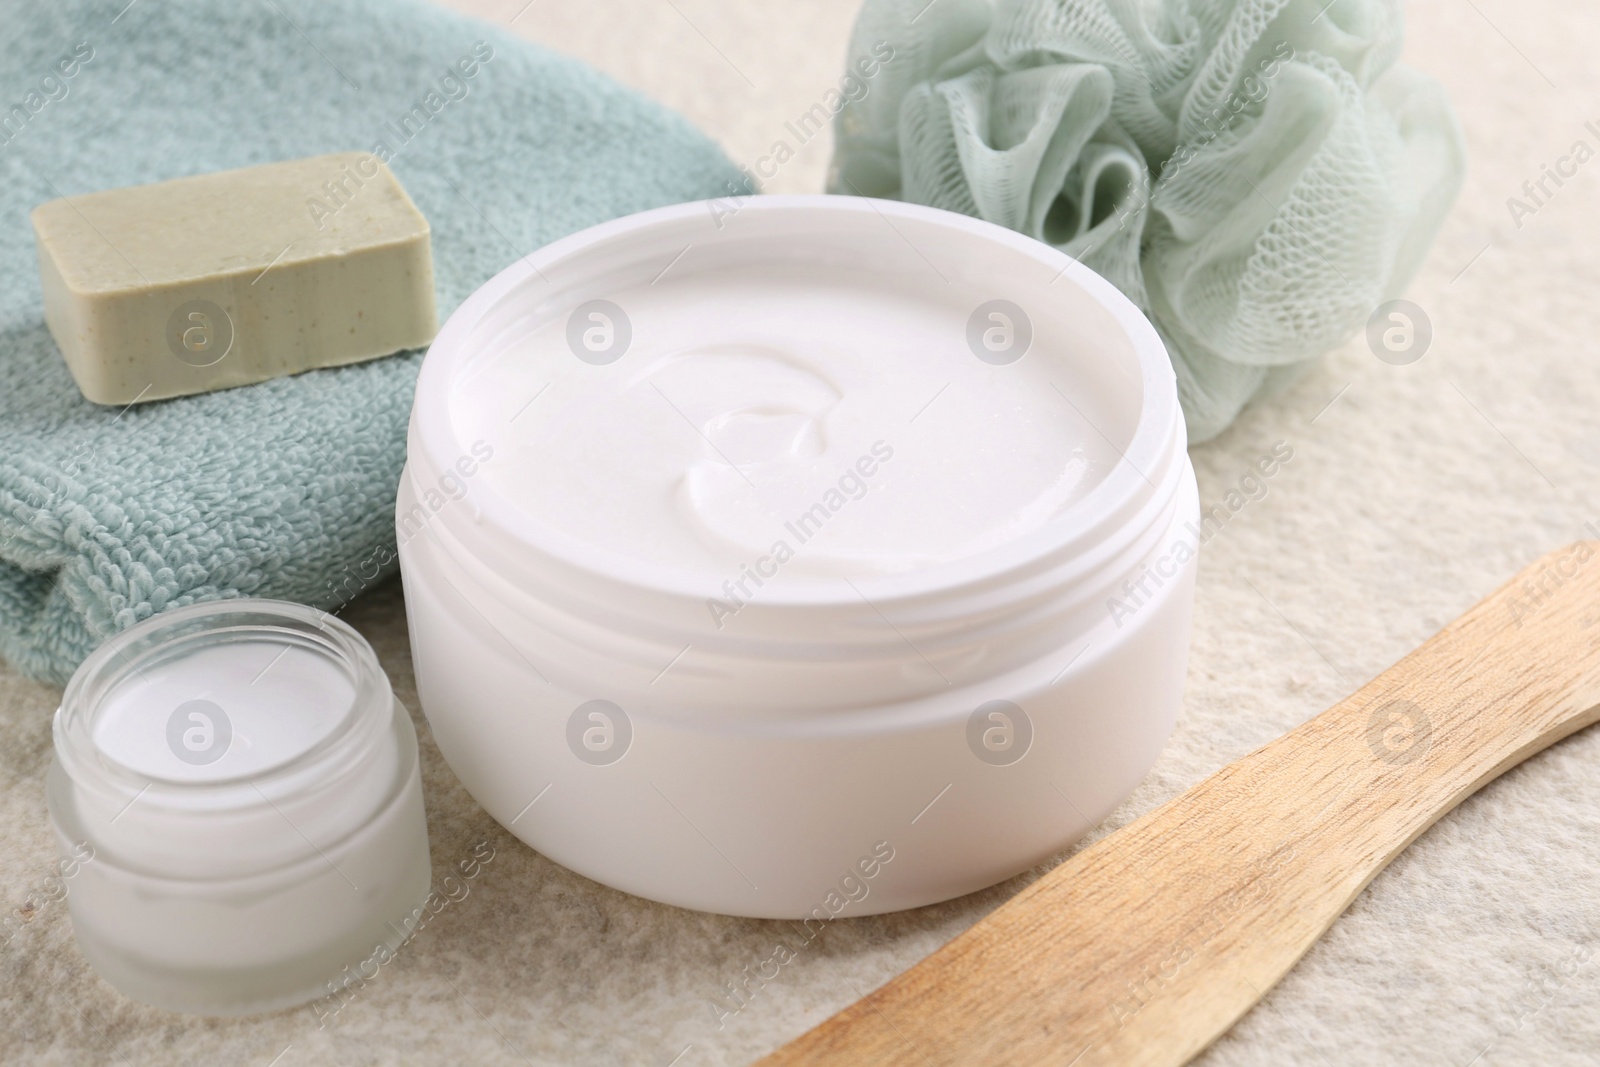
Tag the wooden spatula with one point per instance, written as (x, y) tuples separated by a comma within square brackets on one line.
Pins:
[(1150, 943)]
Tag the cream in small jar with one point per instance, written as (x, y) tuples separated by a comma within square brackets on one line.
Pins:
[(251, 793), (222, 711)]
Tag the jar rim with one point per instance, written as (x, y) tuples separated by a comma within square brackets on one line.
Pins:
[(1145, 466), (195, 625)]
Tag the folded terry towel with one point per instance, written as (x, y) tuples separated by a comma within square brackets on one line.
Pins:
[(284, 489)]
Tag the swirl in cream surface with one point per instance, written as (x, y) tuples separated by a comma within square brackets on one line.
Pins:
[(844, 418)]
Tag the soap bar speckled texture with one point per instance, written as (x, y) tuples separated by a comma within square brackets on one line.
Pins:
[(224, 279)]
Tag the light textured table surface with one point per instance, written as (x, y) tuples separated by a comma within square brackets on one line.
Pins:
[(1412, 492)]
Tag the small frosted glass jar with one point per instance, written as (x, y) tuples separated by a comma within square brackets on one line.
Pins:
[(888, 722), (250, 790)]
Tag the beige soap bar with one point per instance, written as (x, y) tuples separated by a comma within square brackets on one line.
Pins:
[(225, 279)]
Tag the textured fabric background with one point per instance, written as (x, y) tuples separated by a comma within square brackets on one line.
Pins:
[(107, 516), (1413, 491)]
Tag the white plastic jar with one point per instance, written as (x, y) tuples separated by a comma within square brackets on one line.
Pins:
[(249, 792), (718, 596)]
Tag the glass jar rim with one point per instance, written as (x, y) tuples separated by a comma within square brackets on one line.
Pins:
[(197, 625)]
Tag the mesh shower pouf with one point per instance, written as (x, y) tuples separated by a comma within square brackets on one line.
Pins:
[(1257, 175)]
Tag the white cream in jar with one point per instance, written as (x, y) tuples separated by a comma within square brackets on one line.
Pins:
[(791, 422), (167, 721), (737, 549), (250, 792)]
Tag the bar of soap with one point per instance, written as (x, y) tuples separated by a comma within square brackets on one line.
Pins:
[(224, 279)]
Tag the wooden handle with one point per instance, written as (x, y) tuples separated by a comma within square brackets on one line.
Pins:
[(1147, 945)]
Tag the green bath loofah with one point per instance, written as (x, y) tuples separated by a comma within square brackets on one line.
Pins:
[(1256, 175)]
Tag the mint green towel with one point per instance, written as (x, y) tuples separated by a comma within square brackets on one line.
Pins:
[(284, 489)]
